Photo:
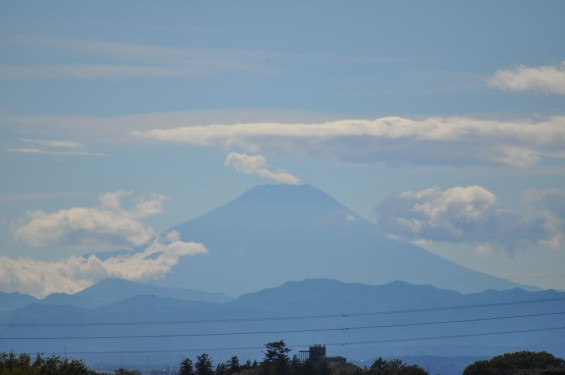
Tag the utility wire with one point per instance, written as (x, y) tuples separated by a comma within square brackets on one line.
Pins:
[(372, 342), (452, 336), (291, 317), (283, 331)]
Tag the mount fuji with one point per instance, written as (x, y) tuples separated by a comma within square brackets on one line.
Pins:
[(277, 233)]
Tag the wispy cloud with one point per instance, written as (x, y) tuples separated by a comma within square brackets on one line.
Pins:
[(23, 197), (390, 140), (53, 147), (119, 128), (126, 60), (544, 79), (90, 71), (34, 150), (470, 215), (108, 224), (54, 143), (71, 275), (257, 164)]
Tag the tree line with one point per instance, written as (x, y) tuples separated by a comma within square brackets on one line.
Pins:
[(277, 361)]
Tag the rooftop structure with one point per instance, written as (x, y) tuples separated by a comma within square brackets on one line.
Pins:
[(317, 354)]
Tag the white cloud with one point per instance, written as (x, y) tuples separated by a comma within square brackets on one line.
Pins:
[(107, 225), (470, 215), (551, 205), (54, 147), (257, 164), (54, 143), (391, 140), (544, 79), (436, 213), (34, 150), (118, 129), (453, 141), (40, 278)]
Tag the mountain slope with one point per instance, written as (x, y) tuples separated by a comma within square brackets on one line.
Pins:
[(276, 233)]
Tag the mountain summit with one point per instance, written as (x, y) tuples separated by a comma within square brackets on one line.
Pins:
[(276, 233)]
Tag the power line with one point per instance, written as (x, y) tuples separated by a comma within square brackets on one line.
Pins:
[(387, 341), (283, 331), (372, 342), (291, 317)]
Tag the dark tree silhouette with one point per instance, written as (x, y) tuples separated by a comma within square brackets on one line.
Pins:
[(186, 367), (203, 365), (394, 367), (53, 365), (518, 363), (276, 351), (276, 358), (233, 365)]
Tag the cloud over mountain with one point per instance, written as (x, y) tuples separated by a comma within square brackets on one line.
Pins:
[(470, 215), (40, 278), (108, 224), (257, 164), (391, 140), (544, 79)]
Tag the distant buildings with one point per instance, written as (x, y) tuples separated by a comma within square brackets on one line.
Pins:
[(317, 354)]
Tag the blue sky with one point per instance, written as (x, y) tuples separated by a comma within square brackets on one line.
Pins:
[(443, 121)]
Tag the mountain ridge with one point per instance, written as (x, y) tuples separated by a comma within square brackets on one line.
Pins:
[(107, 291)]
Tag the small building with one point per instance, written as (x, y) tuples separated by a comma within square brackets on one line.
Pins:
[(317, 354)]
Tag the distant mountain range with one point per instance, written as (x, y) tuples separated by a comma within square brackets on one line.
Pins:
[(276, 233), (358, 321), (106, 292)]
